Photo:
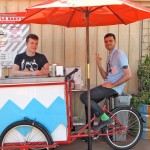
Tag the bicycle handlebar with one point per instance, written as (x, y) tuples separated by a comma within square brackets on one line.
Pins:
[(68, 76)]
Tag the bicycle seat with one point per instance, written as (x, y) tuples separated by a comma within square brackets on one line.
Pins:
[(114, 96)]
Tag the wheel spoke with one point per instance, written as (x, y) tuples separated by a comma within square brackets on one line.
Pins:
[(23, 133), (125, 139)]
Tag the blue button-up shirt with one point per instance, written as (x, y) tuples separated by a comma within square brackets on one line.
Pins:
[(116, 60)]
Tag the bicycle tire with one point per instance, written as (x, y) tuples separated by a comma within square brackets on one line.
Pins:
[(134, 125), (25, 133)]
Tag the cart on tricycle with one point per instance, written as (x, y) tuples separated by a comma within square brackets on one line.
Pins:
[(38, 116)]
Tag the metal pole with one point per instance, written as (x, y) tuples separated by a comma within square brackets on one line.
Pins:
[(88, 80)]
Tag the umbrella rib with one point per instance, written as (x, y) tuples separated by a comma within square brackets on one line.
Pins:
[(78, 9), (70, 18), (116, 15), (33, 14), (96, 8), (81, 9)]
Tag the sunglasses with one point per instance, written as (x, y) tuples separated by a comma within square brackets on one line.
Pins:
[(109, 67)]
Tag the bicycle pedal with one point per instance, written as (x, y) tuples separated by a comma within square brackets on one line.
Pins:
[(95, 137)]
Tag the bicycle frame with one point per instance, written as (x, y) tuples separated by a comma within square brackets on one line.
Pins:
[(81, 133)]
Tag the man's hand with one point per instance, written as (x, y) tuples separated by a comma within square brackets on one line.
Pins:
[(37, 73), (108, 85), (26, 70), (98, 60), (33, 73), (99, 64)]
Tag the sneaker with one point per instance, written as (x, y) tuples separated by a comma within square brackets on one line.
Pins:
[(102, 124)]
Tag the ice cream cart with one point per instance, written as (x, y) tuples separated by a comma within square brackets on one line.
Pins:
[(35, 114), (39, 103)]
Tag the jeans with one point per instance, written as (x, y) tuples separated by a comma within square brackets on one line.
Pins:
[(97, 94)]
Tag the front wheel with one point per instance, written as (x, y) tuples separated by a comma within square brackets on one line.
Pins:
[(26, 133), (132, 121)]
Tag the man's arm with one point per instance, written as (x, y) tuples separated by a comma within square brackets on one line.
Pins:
[(17, 73), (45, 69), (127, 75), (101, 70)]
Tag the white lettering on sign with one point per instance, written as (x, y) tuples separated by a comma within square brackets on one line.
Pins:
[(10, 19)]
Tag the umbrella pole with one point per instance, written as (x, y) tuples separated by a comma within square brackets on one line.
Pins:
[(88, 81)]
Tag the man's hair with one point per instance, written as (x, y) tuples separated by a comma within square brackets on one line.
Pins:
[(110, 34), (31, 36)]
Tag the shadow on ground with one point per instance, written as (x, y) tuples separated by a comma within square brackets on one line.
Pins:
[(100, 145)]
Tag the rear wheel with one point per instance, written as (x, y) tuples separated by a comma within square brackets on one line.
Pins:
[(131, 119), (26, 133)]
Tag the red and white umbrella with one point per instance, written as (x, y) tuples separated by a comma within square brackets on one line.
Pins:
[(73, 13)]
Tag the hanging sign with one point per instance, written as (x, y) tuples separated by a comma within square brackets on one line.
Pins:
[(11, 18)]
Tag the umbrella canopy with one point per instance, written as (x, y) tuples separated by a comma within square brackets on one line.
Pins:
[(71, 13), (85, 13)]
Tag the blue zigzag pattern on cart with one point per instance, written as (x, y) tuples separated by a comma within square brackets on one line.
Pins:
[(50, 117), (24, 130)]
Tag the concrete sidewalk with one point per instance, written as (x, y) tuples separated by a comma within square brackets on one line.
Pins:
[(100, 145)]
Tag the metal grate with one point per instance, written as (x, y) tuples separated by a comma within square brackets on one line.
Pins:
[(145, 43)]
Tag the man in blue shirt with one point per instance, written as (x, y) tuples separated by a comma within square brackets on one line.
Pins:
[(116, 74)]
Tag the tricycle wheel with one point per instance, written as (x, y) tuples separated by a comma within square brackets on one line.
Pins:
[(25, 133), (128, 137)]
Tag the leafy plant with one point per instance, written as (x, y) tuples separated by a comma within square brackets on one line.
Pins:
[(143, 74)]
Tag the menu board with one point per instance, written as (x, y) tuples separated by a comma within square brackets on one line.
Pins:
[(12, 36), (12, 42), (7, 58)]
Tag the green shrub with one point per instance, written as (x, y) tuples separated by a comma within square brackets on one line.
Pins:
[(143, 74)]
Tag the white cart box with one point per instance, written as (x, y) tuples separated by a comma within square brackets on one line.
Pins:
[(43, 102)]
